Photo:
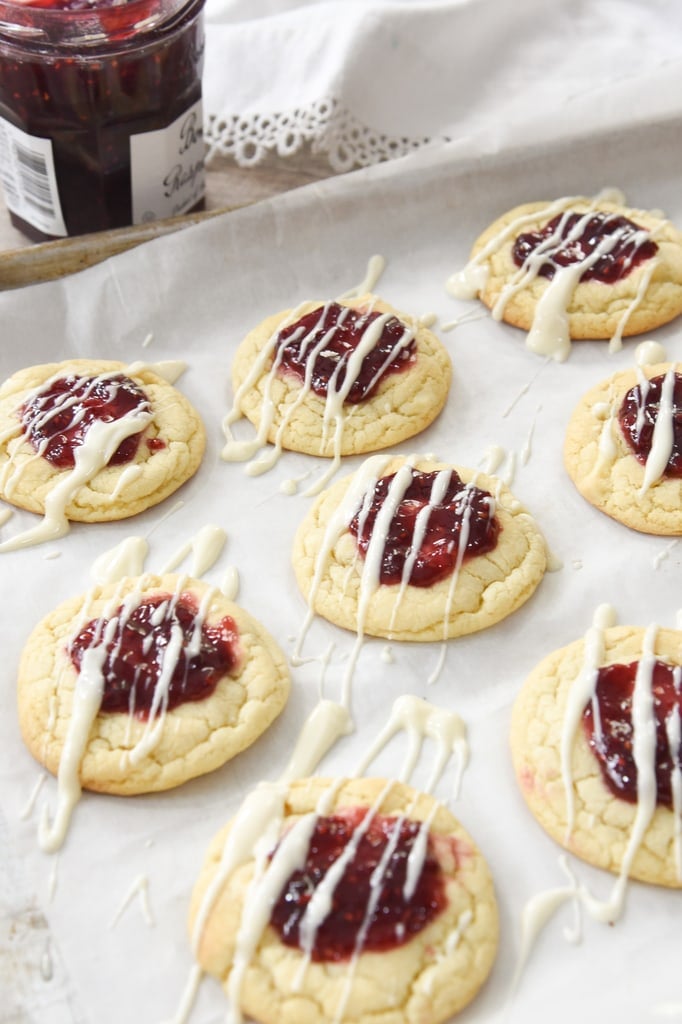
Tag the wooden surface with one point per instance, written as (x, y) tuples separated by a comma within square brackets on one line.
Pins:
[(227, 187)]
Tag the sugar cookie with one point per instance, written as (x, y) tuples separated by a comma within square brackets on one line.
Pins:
[(109, 439), (179, 680), (623, 448), (576, 268), (369, 953), (581, 752), (338, 378), (379, 552)]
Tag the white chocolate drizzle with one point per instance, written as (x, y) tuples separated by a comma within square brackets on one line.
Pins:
[(662, 442), (205, 547), (649, 352), (229, 587), (87, 697), (5, 515), (549, 333), (99, 445), (375, 268), (30, 803), (357, 500), (139, 889), (169, 370), (114, 567), (126, 559), (90, 457), (663, 435), (664, 553), (583, 692), (256, 830), (334, 414)]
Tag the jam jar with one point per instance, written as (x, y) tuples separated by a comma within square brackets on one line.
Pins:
[(100, 112)]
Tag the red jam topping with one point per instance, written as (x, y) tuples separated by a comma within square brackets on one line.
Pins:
[(137, 649), (336, 331), (57, 419), (394, 919), (626, 252), (611, 736), (637, 417), (464, 515)]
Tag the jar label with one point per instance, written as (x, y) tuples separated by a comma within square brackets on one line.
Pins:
[(167, 168), (29, 181)]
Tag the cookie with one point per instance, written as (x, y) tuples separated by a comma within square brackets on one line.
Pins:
[(576, 268), (339, 378), (595, 798), (189, 681), (94, 440), (623, 448), (383, 552), (407, 962)]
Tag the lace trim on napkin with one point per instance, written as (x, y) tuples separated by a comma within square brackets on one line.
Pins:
[(326, 126)]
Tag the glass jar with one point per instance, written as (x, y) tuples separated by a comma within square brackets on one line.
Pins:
[(100, 112)]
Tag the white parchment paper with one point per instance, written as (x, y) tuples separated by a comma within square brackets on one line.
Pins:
[(198, 293)]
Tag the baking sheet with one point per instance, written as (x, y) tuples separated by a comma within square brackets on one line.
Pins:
[(197, 293)]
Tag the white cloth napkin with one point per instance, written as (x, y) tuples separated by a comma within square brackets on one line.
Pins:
[(364, 80)]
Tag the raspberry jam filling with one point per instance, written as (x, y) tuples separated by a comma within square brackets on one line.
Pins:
[(627, 250), (637, 418), (610, 732), (139, 648), (57, 419), (91, 78), (334, 332), (393, 921), (465, 515)]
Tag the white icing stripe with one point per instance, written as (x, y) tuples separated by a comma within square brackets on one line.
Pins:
[(375, 268), (290, 855), (438, 491), (462, 542), (87, 697), (140, 888), (580, 694), (205, 547), (616, 342), (98, 447), (644, 756), (663, 438), (354, 498), (327, 723), (126, 559)]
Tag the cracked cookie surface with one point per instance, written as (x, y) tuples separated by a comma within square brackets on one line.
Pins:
[(602, 823), (196, 737), (403, 405), (604, 468), (426, 980), (169, 453), (482, 591)]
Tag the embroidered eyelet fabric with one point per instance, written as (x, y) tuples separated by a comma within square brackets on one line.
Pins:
[(360, 82)]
